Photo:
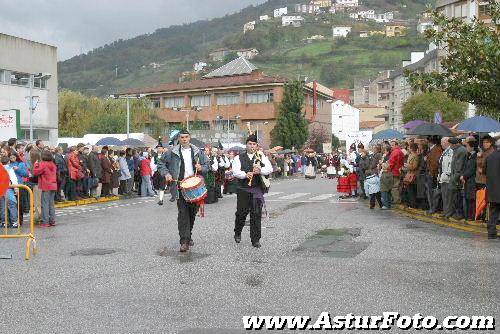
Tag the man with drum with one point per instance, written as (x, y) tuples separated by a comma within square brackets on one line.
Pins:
[(250, 167), (176, 165)]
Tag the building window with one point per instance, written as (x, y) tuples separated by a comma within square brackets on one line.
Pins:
[(174, 102), (2, 76), (259, 97), (37, 134), (228, 99), (460, 10), (18, 78), (200, 101), (40, 83), (484, 9), (155, 103)]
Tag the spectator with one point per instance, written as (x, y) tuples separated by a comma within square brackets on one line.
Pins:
[(146, 173), (46, 170), (468, 179), (74, 171), (124, 174), (95, 172), (10, 197), (35, 155), (412, 169), (396, 162), (22, 173), (492, 168), (62, 173), (432, 162), (386, 182), (107, 173), (444, 177), (372, 188), (457, 169)]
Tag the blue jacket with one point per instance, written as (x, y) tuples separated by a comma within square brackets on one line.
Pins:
[(21, 172)]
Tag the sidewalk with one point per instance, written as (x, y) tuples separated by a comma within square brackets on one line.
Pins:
[(478, 227), (86, 201)]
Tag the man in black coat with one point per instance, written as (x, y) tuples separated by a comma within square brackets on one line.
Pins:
[(457, 169), (493, 188)]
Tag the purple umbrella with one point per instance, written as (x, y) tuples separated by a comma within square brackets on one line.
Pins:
[(413, 124)]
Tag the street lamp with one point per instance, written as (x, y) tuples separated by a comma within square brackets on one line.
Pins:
[(31, 106), (128, 98), (257, 133), (197, 109)]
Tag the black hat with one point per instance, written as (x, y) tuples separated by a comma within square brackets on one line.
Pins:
[(219, 146), (184, 132), (453, 140), (252, 137)]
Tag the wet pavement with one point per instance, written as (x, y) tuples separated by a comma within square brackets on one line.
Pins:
[(114, 267)]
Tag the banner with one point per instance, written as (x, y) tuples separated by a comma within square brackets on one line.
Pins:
[(358, 137), (10, 124)]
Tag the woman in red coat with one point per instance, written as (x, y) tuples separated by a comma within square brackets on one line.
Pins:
[(46, 170), (73, 168)]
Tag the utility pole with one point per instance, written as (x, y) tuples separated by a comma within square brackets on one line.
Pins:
[(128, 118), (32, 79)]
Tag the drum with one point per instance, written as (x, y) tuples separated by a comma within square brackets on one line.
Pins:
[(193, 189), (229, 175)]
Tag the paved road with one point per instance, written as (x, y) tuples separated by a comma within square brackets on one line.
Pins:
[(114, 267)]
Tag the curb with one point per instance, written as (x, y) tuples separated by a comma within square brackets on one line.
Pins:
[(86, 202), (477, 227)]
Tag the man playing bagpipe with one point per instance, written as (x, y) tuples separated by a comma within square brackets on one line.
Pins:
[(251, 168)]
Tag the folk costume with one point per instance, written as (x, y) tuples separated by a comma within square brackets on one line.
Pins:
[(180, 164), (250, 195), (211, 177), (348, 181), (231, 183), (220, 174)]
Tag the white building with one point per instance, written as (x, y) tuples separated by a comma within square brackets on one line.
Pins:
[(363, 15), (345, 119), (199, 66), (289, 20), (347, 3), (307, 8), (384, 17), (279, 12), (20, 60), (264, 18), (424, 25), (249, 26), (247, 53), (341, 31)]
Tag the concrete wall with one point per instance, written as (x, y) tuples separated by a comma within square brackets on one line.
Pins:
[(17, 54)]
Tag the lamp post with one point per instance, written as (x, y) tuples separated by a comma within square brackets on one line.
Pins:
[(31, 106), (128, 98), (257, 133)]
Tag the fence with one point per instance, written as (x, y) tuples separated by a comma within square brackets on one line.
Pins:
[(30, 237)]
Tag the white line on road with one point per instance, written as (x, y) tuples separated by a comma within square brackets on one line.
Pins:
[(322, 197), (293, 196), (273, 193)]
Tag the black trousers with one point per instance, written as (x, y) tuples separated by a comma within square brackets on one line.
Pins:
[(245, 204), (378, 197), (492, 223), (185, 218)]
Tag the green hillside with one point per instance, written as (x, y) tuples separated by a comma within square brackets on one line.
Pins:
[(161, 56)]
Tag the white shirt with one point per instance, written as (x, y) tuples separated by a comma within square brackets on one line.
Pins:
[(188, 161), (238, 173), (215, 165)]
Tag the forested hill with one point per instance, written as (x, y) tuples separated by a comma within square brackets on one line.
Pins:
[(160, 56)]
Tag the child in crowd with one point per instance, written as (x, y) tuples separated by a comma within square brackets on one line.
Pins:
[(46, 170), (372, 188), (386, 182), (10, 197)]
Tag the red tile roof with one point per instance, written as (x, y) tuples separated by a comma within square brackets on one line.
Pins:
[(370, 124), (210, 83)]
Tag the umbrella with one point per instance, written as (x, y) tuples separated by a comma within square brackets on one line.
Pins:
[(479, 124), (109, 141), (431, 129), (388, 134), (236, 149), (413, 124), (287, 151), (132, 142), (197, 143)]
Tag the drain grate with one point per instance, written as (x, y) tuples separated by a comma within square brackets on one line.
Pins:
[(93, 252)]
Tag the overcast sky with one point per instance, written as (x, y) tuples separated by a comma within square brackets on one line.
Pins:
[(77, 26)]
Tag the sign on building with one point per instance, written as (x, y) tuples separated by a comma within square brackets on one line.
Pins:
[(364, 137), (10, 124)]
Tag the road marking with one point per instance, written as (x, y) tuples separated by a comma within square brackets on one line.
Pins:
[(322, 197), (273, 193), (293, 196)]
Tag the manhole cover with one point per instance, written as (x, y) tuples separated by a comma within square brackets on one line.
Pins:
[(186, 257), (93, 251), (254, 280), (338, 243)]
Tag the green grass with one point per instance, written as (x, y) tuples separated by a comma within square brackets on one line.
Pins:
[(311, 50)]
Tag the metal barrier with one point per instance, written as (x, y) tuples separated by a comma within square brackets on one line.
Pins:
[(31, 241)]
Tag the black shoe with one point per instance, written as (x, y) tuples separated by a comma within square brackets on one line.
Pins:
[(160, 202), (256, 244), (172, 199), (237, 238)]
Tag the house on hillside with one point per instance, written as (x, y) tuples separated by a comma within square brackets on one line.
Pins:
[(249, 26), (289, 20), (227, 98), (363, 15), (279, 12), (307, 8), (247, 53), (424, 24), (345, 119), (343, 95), (219, 54), (199, 66), (264, 18), (322, 3), (341, 31), (384, 17), (395, 30), (346, 3)]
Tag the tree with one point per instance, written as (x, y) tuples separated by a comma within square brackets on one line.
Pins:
[(317, 137), (109, 123), (335, 142), (470, 70), (424, 106), (291, 127), (230, 57)]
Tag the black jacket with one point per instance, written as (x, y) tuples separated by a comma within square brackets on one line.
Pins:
[(469, 175), (493, 176), (95, 165)]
